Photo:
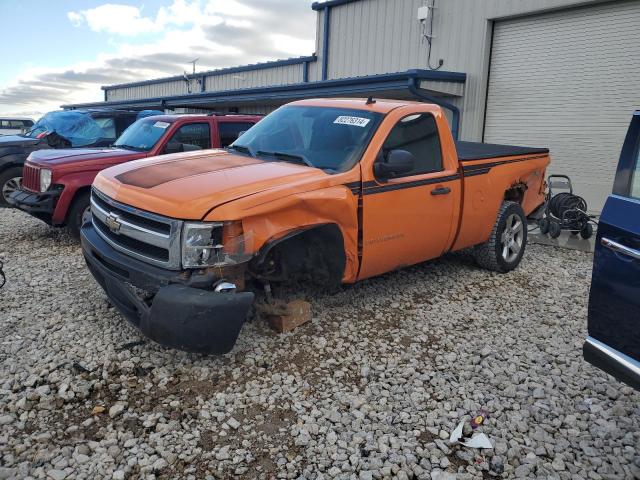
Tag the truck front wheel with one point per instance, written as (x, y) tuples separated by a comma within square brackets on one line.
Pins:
[(505, 247), (79, 213), (10, 181)]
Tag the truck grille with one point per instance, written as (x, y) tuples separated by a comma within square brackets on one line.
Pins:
[(143, 235), (31, 178)]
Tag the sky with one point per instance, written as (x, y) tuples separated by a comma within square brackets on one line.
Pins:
[(58, 52)]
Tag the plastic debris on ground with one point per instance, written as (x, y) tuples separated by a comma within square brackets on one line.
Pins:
[(478, 440)]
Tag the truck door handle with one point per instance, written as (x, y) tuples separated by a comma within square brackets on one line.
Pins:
[(619, 248), (440, 191)]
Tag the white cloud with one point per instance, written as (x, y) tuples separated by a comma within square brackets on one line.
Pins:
[(221, 33), (117, 19)]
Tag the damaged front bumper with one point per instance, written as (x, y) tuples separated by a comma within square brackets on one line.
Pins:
[(178, 315), (40, 205)]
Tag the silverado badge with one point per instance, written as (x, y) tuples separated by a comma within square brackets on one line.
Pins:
[(112, 221)]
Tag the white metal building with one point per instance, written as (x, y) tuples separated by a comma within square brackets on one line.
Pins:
[(557, 73)]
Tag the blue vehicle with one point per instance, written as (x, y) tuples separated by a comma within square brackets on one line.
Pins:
[(60, 129), (613, 344)]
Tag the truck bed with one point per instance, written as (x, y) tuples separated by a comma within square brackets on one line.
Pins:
[(468, 151)]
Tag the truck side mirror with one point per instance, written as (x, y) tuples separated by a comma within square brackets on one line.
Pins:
[(396, 163)]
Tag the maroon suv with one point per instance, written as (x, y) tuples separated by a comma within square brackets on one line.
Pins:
[(56, 183)]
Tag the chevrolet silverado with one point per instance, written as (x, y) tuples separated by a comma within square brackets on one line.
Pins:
[(320, 191)]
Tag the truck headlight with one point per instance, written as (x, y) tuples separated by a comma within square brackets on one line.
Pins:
[(201, 244), (45, 179)]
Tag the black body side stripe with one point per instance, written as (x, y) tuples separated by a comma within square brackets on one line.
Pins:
[(354, 187), (482, 168), (371, 188)]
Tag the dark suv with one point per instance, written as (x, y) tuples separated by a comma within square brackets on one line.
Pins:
[(59, 129)]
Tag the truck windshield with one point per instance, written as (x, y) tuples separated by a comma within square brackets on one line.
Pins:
[(332, 139), (143, 134)]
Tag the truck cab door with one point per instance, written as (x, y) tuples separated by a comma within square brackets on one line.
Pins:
[(411, 217), (613, 343)]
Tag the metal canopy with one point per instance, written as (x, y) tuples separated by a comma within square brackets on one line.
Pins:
[(390, 85)]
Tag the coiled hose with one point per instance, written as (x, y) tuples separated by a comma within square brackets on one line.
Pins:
[(570, 208)]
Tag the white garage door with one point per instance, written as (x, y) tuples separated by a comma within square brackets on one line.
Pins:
[(569, 80)]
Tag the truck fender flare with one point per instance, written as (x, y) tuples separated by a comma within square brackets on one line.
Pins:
[(269, 245)]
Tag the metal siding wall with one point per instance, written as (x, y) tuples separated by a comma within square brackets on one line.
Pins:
[(150, 91), (375, 36), (384, 36), (283, 75), (569, 80)]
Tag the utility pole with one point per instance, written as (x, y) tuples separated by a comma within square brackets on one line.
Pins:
[(193, 62)]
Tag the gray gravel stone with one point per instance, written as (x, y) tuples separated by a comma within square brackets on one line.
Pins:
[(370, 388)]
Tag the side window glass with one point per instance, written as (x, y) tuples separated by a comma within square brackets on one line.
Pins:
[(4, 123), (194, 136), (417, 134), (229, 131)]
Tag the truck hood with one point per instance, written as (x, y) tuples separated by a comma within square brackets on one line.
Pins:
[(16, 141), (189, 185), (83, 156)]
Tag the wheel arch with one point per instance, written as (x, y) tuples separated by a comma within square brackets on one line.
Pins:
[(319, 228), (328, 235), (516, 193), (10, 161), (76, 194)]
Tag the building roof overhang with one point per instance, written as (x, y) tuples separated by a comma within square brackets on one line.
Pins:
[(390, 85)]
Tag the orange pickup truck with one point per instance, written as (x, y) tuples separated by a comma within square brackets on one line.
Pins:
[(320, 191)]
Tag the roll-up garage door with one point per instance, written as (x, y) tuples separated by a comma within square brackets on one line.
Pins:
[(569, 80)]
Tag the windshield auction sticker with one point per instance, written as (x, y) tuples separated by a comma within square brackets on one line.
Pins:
[(354, 121), (161, 124)]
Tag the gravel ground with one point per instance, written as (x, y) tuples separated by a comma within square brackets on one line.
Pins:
[(370, 388)]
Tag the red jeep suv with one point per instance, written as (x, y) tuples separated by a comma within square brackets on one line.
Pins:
[(56, 183)]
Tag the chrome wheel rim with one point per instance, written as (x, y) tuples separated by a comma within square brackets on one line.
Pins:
[(86, 215), (512, 238), (11, 186)]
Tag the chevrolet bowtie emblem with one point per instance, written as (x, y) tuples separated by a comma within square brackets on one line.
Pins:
[(112, 221)]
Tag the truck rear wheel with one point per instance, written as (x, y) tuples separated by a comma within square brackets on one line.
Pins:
[(79, 213), (505, 247), (10, 181)]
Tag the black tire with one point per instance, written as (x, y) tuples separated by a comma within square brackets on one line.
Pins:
[(7, 179), (554, 230), (74, 218), (491, 254), (544, 226), (586, 231)]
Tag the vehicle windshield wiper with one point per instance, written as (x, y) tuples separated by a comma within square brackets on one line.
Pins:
[(129, 147), (287, 157), (241, 149)]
